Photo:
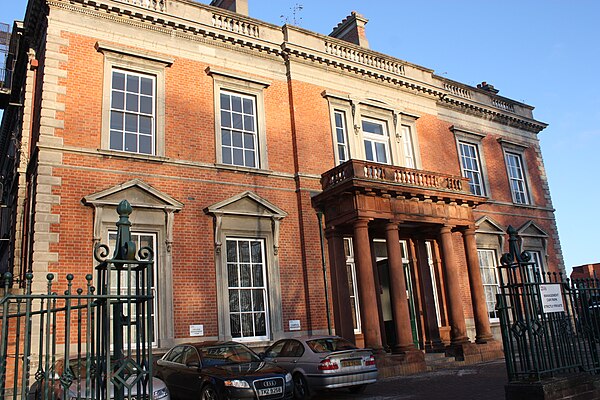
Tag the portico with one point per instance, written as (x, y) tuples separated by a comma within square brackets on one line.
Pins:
[(414, 256)]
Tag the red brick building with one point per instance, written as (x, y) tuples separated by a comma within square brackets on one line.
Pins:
[(239, 145)]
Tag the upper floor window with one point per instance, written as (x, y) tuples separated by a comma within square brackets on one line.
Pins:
[(409, 147), (238, 130), (376, 140), (239, 120), (132, 112), (516, 176), (471, 167), (341, 135)]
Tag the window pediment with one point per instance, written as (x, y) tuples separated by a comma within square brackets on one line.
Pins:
[(246, 204), (138, 193)]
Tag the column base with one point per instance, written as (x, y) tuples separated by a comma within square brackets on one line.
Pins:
[(408, 363), (473, 353)]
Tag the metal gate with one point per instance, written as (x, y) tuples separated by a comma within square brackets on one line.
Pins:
[(550, 325), (91, 342)]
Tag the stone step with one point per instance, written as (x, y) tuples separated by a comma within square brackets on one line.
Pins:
[(438, 361)]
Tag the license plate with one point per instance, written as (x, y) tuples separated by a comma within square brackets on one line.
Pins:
[(269, 391), (351, 363)]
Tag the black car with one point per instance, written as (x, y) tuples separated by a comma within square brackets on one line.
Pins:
[(223, 371)]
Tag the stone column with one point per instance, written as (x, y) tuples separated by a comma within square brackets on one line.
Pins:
[(398, 292), (480, 312), (342, 310), (458, 328), (432, 329), (369, 312)]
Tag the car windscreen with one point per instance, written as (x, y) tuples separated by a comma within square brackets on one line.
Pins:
[(327, 345), (226, 354)]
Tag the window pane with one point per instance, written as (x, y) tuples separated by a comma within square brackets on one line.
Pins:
[(145, 125), (147, 86), (245, 300), (248, 106), (234, 300), (237, 121), (116, 140), (118, 80), (235, 324), (118, 100), (247, 325), (372, 127), (248, 141), (226, 155), (132, 102), (130, 142), (368, 151), (245, 275), (225, 119), (131, 123), (380, 148), (260, 324), (237, 139), (145, 144), (226, 137), (116, 120), (258, 300), (238, 157), (133, 83), (249, 157), (248, 123), (231, 251), (146, 105), (236, 103), (225, 102), (257, 276), (232, 275)]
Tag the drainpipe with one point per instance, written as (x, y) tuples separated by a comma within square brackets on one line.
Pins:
[(320, 218)]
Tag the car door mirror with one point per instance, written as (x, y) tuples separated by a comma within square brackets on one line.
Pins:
[(261, 355), (193, 364)]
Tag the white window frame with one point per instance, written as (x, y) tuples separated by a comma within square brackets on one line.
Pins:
[(518, 184), (243, 131), (434, 284), (244, 86), (252, 288), (473, 171), (374, 138), (409, 147), (489, 287), (342, 149), (137, 114), (470, 138), (155, 306), (143, 63), (351, 270)]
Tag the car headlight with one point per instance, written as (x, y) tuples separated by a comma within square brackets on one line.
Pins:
[(236, 383), (288, 377), (161, 393)]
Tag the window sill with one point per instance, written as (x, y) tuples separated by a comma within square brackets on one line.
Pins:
[(237, 168), (129, 156)]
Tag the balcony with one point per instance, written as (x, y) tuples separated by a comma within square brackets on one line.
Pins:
[(398, 181)]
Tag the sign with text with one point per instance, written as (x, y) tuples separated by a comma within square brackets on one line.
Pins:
[(196, 330), (552, 300), (294, 324)]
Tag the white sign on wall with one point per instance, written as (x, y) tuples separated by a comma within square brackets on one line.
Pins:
[(294, 324), (196, 330), (552, 300)]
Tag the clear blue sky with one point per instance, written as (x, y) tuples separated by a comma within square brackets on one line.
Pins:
[(543, 53)]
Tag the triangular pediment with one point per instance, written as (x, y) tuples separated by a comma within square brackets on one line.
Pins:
[(531, 229), (138, 193), (488, 225), (248, 204)]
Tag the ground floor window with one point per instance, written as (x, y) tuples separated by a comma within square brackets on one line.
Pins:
[(353, 289), (141, 240), (247, 289), (489, 278)]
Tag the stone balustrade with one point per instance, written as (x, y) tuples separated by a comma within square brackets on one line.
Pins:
[(363, 57), (358, 169), (458, 91), (235, 25), (503, 105)]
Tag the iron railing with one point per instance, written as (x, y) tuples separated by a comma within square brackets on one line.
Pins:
[(550, 325), (87, 343)]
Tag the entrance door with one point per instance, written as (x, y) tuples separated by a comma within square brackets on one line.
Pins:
[(386, 299)]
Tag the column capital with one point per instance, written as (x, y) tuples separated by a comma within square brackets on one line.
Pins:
[(446, 229), (361, 222), (469, 230)]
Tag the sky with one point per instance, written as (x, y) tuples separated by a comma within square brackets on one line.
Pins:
[(540, 52)]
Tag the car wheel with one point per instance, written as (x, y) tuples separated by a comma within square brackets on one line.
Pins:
[(209, 393), (301, 391), (357, 389)]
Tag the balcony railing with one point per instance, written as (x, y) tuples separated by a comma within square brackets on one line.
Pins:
[(383, 173)]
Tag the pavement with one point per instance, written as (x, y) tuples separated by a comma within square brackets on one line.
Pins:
[(484, 381)]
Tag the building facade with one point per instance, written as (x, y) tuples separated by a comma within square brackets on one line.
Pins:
[(288, 181)]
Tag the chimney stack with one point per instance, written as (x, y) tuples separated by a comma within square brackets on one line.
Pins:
[(488, 87), (237, 6), (352, 29)]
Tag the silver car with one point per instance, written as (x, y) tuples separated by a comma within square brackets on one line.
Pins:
[(323, 362)]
